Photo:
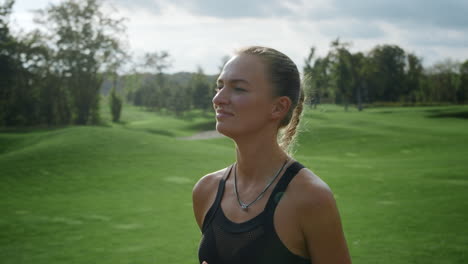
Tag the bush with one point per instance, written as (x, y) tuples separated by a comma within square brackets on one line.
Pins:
[(116, 106)]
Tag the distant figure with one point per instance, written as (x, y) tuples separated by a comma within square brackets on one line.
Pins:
[(266, 207)]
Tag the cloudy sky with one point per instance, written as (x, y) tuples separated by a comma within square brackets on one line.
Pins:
[(201, 32)]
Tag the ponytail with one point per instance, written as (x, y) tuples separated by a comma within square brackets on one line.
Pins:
[(288, 136)]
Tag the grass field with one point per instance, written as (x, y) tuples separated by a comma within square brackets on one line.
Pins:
[(122, 193)]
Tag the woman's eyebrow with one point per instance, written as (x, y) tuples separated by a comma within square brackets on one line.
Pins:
[(239, 80), (221, 81)]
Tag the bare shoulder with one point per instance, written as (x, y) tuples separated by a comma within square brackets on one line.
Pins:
[(204, 193), (208, 181), (319, 219), (310, 192)]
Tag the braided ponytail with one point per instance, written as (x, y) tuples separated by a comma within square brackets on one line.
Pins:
[(288, 135)]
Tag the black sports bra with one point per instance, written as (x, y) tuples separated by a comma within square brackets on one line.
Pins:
[(253, 241)]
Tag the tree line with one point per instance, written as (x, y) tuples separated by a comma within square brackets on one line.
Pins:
[(385, 75), (57, 74), (53, 75), (149, 86)]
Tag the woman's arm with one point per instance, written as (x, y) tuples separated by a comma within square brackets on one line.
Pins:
[(203, 195), (321, 224)]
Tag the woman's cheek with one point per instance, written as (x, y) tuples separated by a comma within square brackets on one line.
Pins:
[(247, 101)]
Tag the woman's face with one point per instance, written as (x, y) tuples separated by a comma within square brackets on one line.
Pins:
[(244, 98)]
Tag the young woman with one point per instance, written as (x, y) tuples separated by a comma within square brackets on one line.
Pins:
[(266, 207)]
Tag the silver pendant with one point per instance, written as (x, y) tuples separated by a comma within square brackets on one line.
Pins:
[(244, 207)]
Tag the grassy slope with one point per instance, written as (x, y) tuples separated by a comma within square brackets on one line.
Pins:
[(400, 177), (122, 193)]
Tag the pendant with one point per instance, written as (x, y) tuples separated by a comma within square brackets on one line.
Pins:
[(244, 207)]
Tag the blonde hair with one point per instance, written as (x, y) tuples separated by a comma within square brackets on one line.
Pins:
[(286, 81)]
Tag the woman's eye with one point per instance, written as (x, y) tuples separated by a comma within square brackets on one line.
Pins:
[(239, 89)]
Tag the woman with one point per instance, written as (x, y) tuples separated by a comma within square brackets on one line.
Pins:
[(265, 208)]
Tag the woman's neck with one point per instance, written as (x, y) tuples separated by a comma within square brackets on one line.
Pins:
[(258, 158)]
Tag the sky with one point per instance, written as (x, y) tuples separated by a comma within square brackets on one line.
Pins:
[(200, 32)]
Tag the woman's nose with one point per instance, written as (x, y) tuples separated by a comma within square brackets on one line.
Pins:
[(221, 97)]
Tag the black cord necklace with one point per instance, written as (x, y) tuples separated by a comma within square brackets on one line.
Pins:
[(246, 206)]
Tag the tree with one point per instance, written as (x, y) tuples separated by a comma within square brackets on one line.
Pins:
[(24, 75), (8, 64), (85, 43), (443, 81), (316, 78), (180, 99), (132, 81), (309, 78), (388, 73), (153, 92), (360, 76), (42, 100), (462, 94), (342, 70), (414, 74), (201, 92), (115, 105), (157, 62)]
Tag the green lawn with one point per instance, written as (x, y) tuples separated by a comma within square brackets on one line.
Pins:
[(121, 193)]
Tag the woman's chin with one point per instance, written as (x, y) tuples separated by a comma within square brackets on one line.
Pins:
[(224, 129)]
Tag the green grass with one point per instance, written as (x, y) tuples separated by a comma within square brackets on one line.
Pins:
[(122, 193)]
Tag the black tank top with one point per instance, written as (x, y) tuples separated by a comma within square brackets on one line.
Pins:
[(253, 241)]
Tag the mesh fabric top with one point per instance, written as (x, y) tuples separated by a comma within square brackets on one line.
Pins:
[(253, 241)]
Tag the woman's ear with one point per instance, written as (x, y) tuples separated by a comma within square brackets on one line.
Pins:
[(281, 107)]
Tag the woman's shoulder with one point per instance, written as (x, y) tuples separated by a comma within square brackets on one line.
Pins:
[(204, 193), (210, 180), (318, 218), (310, 192)]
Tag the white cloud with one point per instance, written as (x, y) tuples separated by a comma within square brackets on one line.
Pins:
[(200, 40), (197, 32)]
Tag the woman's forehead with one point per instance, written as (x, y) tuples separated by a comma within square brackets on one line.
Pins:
[(243, 67)]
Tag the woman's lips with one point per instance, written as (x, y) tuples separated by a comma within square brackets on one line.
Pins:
[(223, 114)]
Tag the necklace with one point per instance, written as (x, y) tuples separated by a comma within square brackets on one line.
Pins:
[(246, 206)]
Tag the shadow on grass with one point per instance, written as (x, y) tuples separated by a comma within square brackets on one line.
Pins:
[(443, 114), (120, 122), (46, 128), (159, 132), (204, 126), (31, 129)]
